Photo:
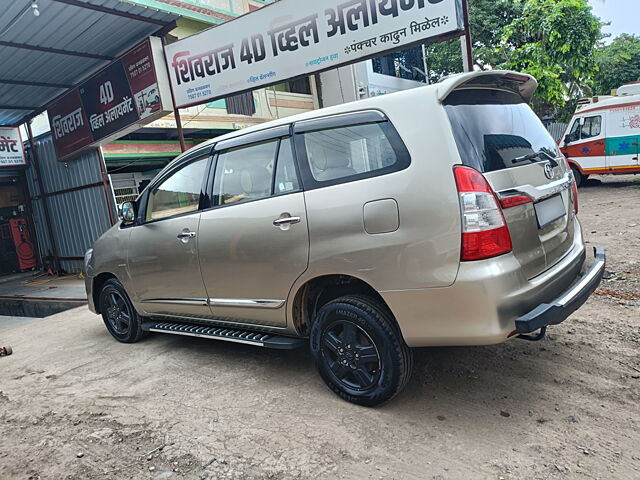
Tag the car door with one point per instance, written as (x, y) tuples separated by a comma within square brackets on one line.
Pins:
[(163, 256), (585, 143), (254, 241)]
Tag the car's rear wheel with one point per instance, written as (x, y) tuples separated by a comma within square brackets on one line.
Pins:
[(120, 318), (359, 351)]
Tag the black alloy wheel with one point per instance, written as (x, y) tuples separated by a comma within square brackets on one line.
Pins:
[(118, 313), (351, 355), (359, 350)]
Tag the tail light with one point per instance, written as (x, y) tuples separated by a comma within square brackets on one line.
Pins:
[(484, 231), (574, 189)]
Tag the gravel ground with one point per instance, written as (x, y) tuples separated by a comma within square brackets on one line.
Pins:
[(74, 404)]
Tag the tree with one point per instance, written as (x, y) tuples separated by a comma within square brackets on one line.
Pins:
[(618, 63), (488, 19), (555, 41)]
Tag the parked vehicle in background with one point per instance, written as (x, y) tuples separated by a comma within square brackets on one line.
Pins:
[(443, 215), (603, 136)]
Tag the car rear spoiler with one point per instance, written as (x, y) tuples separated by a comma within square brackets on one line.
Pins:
[(521, 83)]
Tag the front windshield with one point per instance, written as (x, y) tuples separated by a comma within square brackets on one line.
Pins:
[(493, 127)]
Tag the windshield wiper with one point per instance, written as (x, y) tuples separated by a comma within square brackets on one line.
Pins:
[(531, 157)]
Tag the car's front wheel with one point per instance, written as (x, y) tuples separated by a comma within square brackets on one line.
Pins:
[(359, 350), (120, 318)]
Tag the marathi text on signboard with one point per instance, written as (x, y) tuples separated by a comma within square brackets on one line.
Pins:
[(323, 34), (124, 95), (11, 148)]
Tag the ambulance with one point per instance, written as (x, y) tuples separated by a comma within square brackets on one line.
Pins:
[(604, 134)]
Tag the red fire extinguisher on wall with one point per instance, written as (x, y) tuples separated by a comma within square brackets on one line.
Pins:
[(22, 241)]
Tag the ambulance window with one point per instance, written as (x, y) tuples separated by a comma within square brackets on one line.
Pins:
[(591, 127), (574, 134)]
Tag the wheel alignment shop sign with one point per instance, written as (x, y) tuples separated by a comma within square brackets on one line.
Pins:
[(128, 93), (293, 38)]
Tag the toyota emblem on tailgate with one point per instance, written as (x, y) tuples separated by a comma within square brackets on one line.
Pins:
[(548, 171)]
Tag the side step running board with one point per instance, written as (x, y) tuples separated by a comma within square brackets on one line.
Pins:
[(226, 334)]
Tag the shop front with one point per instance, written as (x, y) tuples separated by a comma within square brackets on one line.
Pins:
[(17, 250), (17, 247)]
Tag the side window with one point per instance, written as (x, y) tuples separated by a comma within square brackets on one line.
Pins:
[(348, 151), (178, 194), (574, 133), (245, 173), (286, 175), (591, 127)]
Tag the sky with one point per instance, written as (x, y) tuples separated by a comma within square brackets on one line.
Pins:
[(624, 16)]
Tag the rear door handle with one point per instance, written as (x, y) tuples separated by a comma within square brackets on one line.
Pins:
[(186, 235), (286, 221)]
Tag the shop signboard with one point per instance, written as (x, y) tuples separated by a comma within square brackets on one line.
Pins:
[(127, 94), (293, 38), (11, 148)]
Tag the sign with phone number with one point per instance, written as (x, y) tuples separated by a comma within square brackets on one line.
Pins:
[(125, 93)]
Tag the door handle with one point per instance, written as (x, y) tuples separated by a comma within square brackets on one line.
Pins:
[(286, 221), (186, 235)]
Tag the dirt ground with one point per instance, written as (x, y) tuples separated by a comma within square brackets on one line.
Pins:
[(74, 404)]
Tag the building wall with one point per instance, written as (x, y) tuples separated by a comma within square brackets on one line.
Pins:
[(76, 200), (354, 82)]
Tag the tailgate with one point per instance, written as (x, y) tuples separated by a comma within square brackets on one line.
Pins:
[(499, 135)]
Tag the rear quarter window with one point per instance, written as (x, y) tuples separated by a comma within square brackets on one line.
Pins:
[(350, 152)]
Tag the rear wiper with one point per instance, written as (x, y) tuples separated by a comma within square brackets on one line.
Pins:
[(531, 157)]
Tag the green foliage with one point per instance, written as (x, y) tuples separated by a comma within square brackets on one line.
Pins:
[(488, 20), (618, 63), (553, 40)]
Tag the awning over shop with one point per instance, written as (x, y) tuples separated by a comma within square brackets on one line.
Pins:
[(43, 56)]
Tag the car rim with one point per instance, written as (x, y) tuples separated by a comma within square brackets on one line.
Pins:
[(118, 313), (351, 355)]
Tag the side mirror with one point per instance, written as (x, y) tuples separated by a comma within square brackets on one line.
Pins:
[(127, 212)]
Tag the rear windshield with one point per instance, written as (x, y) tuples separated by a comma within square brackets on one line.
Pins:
[(492, 128)]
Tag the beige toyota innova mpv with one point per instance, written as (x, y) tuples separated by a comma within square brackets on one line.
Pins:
[(443, 215)]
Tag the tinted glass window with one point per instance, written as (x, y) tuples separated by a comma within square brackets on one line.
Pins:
[(492, 128), (348, 151), (178, 194), (286, 175), (591, 127), (245, 173)]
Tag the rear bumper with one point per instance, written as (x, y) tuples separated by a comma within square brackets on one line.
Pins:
[(573, 298), (487, 298)]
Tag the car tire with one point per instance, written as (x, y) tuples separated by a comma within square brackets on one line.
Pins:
[(359, 350), (579, 177), (118, 313)]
